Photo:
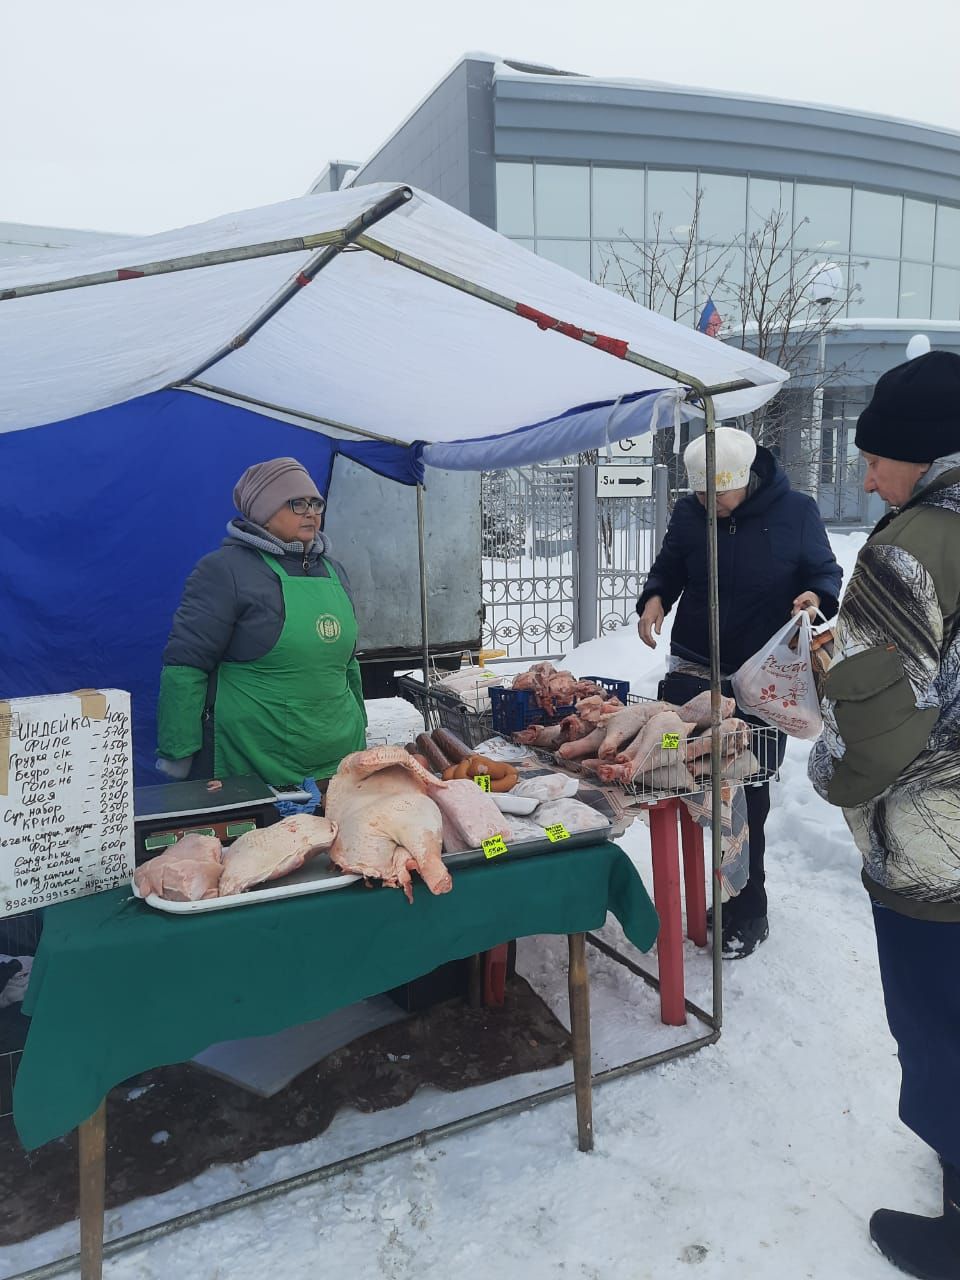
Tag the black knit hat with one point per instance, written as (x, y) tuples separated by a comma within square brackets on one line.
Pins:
[(914, 415)]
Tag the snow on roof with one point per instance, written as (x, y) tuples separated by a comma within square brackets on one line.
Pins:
[(507, 69)]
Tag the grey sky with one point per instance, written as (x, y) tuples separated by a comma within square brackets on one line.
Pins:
[(128, 116)]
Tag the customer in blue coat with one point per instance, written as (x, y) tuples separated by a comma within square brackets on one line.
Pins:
[(774, 559)]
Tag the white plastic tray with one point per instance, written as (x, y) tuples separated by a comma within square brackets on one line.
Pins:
[(317, 876)]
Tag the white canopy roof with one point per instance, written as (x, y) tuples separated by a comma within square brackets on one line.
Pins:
[(368, 343)]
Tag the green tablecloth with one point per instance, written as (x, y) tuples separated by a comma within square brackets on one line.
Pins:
[(118, 988)]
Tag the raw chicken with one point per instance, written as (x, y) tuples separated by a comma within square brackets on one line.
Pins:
[(388, 823), (734, 737), (471, 813), (624, 725), (271, 852), (552, 688), (187, 872), (698, 709), (583, 747), (646, 751), (544, 736)]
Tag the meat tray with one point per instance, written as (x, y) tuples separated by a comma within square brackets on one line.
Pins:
[(319, 876)]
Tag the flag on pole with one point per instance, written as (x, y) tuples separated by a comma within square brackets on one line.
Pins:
[(710, 320)]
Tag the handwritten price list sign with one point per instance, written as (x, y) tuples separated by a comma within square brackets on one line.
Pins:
[(66, 797)]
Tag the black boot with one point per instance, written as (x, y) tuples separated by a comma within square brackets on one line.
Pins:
[(928, 1248), (741, 937)]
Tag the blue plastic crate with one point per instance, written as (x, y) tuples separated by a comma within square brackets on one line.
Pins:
[(614, 688), (515, 709)]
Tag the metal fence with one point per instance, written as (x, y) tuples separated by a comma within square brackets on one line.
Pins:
[(545, 533), (18, 937)]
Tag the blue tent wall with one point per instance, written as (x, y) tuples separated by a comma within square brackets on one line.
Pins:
[(103, 516)]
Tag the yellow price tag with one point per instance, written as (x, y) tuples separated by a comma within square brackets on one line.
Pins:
[(557, 832), (482, 780), (493, 847), (670, 741)]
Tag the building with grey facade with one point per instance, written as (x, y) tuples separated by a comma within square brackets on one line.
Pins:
[(617, 180)]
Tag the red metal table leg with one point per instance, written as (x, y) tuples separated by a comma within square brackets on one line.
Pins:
[(694, 885), (495, 974), (666, 897)]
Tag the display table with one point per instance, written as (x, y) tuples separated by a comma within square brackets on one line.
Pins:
[(118, 988)]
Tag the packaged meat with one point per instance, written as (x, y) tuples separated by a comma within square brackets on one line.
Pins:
[(471, 812), (268, 853), (389, 824), (188, 871), (452, 747), (522, 830), (573, 814), (547, 786)]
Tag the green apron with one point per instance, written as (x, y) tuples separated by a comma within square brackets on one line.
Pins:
[(292, 714)]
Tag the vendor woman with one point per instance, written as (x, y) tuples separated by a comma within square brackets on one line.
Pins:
[(259, 674)]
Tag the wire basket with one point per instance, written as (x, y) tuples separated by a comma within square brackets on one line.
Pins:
[(445, 710), (682, 766), (19, 936)]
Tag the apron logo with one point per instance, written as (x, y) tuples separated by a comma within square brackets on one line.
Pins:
[(328, 628)]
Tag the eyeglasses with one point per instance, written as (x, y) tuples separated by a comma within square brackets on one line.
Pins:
[(300, 506)]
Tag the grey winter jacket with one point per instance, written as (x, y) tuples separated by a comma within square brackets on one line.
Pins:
[(890, 750)]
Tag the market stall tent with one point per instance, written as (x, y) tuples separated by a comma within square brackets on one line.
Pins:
[(378, 323)]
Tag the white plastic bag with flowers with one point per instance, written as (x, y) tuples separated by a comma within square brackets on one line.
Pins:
[(777, 684)]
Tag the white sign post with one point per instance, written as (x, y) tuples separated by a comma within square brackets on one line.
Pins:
[(66, 797), (624, 482)]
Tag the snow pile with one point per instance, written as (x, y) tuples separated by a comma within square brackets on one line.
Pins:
[(760, 1157)]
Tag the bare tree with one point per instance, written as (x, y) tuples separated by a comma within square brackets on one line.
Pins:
[(769, 312)]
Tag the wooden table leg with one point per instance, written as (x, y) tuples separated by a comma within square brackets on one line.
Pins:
[(93, 1150), (579, 988)]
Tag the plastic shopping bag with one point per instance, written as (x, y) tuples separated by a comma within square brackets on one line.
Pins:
[(777, 684)]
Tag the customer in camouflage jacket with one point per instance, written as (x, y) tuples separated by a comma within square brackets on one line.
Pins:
[(890, 757)]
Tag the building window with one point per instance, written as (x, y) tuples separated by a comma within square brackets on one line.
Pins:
[(946, 294), (822, 218), (918, 220), (915, 281), (878, 287), (723, 207), (769, 207), (671, 200), (515, 199), (572, 254), (618, 265), (877, 223), (562, 200), (948, 237), (617, 203)]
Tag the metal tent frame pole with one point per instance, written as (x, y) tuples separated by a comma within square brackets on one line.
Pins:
[(330, 241), (424, 621)]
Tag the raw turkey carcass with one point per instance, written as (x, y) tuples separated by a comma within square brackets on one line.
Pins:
[(647, 751), (271, 852), (189, 871), (388, 823)]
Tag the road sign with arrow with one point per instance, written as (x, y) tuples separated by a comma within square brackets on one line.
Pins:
[(624, 482)]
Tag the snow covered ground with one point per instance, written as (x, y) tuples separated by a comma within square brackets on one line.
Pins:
[(758, 1158)]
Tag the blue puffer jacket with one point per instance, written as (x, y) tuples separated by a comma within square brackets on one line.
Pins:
[(772, 548)]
